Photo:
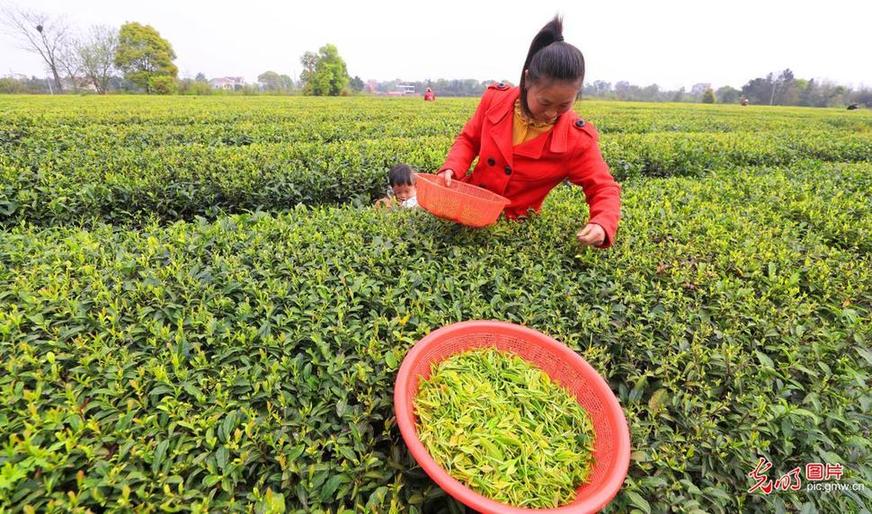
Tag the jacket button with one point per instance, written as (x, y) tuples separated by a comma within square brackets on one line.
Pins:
[(508, 169), (491, 161), (579, 123)]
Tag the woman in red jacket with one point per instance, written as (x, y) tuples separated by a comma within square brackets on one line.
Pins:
[(528, 140)]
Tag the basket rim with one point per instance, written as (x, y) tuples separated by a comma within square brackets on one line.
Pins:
[(433, 180), (404, 412)]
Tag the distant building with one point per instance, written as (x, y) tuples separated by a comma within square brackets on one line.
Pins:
[(230, 83), (402, 90), (406, 89)]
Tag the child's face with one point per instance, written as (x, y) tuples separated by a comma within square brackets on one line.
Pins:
[(403, 192)]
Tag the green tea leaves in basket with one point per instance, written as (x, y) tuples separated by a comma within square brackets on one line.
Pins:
[(500, 426)]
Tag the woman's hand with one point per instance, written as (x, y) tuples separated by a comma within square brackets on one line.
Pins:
[(591, 235), (447, 175)]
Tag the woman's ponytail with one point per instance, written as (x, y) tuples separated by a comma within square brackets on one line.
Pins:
[(551, 57)]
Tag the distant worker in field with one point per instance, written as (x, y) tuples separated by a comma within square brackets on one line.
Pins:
[(401, 180), (528, 140), (743, 101), (429, 96)]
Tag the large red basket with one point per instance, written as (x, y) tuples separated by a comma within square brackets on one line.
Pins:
[(461, 202), (564, 366)]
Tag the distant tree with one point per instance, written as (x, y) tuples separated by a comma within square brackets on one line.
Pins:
[(162, 84), (649, 93), (810, 92), (758, 91), (356, 84), (633, 93), (786, 90), (597, 88), (464, 87), (143, 55), (309, 61), (771, 90), (727, 95), (272, 81), (820, 94), (388, 86), (697, 90), (802, 86), (602, 86), (328, 76), (331, 74), (708, 96), (96, 55), (41, 34), (12, 85), (249, 89), (201, 77), (194, 86), (470, 87), (622, 89), (834, 95), (863, 97), (71, 63)]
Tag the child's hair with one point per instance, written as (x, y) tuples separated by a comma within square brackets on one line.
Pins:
[(551, 57), (401, 175)]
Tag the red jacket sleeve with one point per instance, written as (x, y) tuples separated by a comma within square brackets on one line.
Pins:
[(602, 193), (468, 142)]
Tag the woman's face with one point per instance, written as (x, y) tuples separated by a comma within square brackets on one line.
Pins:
[(548, 99)]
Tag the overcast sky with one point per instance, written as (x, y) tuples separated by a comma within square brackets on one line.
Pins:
[(671, 43)]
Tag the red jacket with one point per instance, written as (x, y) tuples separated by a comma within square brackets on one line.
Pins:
[(526, 173)]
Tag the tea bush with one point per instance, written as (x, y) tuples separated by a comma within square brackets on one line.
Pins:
[(246, 363), (128, 160)]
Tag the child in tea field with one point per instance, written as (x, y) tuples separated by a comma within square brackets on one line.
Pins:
[(402, 188), (528, 140)]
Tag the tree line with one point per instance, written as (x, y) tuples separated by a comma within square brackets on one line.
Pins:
[(774, 89), (135, 58), (93, 59)]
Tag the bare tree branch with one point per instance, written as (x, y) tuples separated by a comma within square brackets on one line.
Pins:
[(96, 55), (38, 33)]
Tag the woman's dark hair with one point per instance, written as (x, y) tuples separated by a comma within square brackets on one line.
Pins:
[(401, 175), (551, 58)]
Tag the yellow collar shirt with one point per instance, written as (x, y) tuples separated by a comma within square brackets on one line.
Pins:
[(525, 129)]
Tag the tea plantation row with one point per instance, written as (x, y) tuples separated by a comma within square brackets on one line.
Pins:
[(129, 185), (140, 121)]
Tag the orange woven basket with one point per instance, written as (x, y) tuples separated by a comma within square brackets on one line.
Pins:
[(564, 366), (461, 202)]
